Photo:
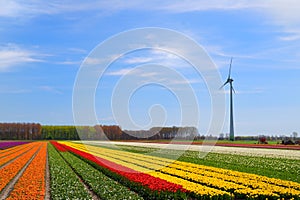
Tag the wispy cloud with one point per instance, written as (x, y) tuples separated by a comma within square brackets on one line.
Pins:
[(51, 89), (101, 60), (120, 72), (253, 91), (69, 62), (202, 5), (281, 12), (138, 60), (78, 50), (156, 56), (14, 91), (12, 55), (16, 8), (31, 8)]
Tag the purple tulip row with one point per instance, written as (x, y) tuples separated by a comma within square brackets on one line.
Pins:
[(8, 144)]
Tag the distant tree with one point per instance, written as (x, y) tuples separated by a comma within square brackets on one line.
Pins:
[(226, 136), (221, 136), (295, 135), (262, 139)]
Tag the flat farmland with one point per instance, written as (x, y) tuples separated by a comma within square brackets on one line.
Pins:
[(121, 170)]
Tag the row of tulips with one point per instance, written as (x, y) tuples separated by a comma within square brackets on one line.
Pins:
[(58, 146), (31, 184), (153, 170), (241, 184), (129, 173), (231, 181), (195, 178), (14, 154), (64, 183), (8, 172), (187, 189), (104, 187), (147, 186), (11, 150), (9, 144)]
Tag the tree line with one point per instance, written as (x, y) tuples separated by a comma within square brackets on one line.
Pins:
[(35, 131), (20, 131)]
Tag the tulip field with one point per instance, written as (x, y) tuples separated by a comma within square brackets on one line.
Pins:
[(73, 170)]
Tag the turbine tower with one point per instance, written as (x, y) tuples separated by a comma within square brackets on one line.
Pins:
[(229, 81)]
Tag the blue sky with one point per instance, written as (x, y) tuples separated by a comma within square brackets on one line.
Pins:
[(42, 46)]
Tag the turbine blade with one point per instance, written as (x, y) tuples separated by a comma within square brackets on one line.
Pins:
[(229, 73), (224, 84), (233, 89)]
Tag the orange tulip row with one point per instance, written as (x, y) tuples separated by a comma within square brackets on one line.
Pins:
[(31, 184), (8, 172), (11, 150), (8, 150), (8, 157)]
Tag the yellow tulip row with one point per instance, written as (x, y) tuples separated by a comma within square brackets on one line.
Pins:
[(195, 172), (234, 175), (193, 176), (188, 185)]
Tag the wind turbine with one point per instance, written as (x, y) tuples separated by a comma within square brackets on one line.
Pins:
[(229, 81)]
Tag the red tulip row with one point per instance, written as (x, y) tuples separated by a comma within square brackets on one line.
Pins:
[(58, 146)]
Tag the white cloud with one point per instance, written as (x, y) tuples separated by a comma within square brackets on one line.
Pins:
[(158, 57), (290, 37), (132, 72), (14, 8), (11, 55), (203, 5), (137, 60), (78, 50), (93, 61), (9, 8), (14, 91), (31, 8), (187, 81), (281, 12), (120, 72), (51, 89), (253, 91), (285, 12), (101, 60), (69, 62)]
